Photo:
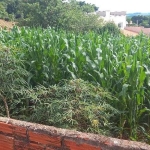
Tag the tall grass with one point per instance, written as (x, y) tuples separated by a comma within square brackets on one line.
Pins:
[(120, 64)]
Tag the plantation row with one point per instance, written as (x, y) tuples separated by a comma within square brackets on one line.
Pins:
[(116, 63)]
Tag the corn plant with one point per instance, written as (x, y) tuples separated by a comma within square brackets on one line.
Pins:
[(115, 62)]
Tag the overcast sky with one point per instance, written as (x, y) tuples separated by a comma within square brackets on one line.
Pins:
[(122, 5)]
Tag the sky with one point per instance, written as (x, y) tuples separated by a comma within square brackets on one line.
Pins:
[(122, 5)]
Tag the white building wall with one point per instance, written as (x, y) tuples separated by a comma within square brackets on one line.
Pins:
[(107, 17), (119, 19)]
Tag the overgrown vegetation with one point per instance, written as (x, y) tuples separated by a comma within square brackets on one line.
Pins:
[(74, 71), (73, 104), (114, 62), (12, 76)]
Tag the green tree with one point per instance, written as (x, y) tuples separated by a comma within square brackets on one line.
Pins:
[(56, 13), (141, 20), (145, 24), (72, 15), (77, 20), (87, 7), (128, 19), (3, 13), (42, 13), (109, 27)]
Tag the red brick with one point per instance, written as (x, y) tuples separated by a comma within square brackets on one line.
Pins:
[(6, 128), (49, 148), (20, 131), (20, 145), (71, 145), (6, 143), (45, 139)]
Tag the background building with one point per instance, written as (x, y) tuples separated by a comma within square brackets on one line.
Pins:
[(119, 18)]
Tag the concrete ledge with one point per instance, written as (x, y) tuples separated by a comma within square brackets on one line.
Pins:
[(21, 135)]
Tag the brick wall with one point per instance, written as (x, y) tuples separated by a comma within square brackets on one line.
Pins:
[(20, 135)]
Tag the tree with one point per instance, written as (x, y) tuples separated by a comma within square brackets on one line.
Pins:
[(87, 7), (128, 19), (76, 19), (55, 13), (141, 20), (3, 13), (42, 13), (72, 15), (136, 19), (109, 27), (145, 24)]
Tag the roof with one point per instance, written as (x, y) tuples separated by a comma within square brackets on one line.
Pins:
[(118, 13), (115, 13), (139, 29)]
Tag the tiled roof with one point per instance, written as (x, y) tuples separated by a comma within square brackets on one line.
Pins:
[(138, 30), (116, 13)]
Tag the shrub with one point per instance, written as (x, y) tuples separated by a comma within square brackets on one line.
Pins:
[(109, 27), (12, 76), (73, 104)]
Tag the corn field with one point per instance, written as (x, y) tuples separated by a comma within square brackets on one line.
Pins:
[(117, 63)]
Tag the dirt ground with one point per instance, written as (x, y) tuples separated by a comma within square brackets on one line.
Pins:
[(129, 33), (6, 24)]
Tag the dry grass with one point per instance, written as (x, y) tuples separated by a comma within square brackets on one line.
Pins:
[(6, 24), (129, 33)]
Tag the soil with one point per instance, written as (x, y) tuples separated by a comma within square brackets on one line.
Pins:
[(6, 24), (129, 33)]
